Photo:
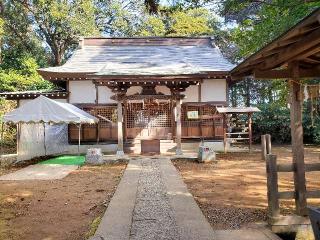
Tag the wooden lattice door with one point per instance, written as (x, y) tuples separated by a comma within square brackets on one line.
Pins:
[(105, 130), (149, 121), (207, 124)]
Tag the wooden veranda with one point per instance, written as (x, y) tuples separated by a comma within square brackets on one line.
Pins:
[(292, 57)]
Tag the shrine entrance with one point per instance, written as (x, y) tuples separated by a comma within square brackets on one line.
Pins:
[(149, 119)]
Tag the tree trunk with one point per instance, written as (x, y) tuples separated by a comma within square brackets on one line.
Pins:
[(247, 93), (57, 58), (1, 16)]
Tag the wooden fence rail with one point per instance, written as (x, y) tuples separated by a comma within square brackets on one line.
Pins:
[(272, 183)]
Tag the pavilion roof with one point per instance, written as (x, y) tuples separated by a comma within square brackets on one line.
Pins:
[(299, 44), (54, 94), (238, 109), (141, 57)]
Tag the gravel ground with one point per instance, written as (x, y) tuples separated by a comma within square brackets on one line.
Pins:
[(153, 217), (232, 192)]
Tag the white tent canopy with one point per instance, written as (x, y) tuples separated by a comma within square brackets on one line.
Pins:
[(45, 110)]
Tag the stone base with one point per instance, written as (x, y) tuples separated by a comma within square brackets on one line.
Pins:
[(120, 154), (94, 156), (206, 154), (179, 152)]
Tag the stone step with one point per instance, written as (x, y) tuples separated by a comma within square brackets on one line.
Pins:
[(165, 147), (132, 142)]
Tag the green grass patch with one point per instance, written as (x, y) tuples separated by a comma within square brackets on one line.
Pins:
[(93, 227), (66, 160)]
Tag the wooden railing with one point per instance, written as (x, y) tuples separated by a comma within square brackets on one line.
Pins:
[(274, 195)]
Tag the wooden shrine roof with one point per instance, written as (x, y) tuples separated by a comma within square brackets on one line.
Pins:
[(299, 44), (151, 56), (54, 94), (238, 109)]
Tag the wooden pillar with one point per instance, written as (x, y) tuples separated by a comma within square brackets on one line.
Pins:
[(173, 127), (179, 129), (120, 129), (268, 144), (124, 116), (297, 141), (263, 147), (272, 187), (225, 133), (250, 130)]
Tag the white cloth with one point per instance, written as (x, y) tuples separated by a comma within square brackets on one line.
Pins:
[(45, 110)]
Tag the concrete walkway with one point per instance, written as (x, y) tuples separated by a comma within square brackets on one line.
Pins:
[(40, 172), (152, 202)]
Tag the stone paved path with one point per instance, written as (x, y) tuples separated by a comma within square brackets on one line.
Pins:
[(152, 203), (153, 217)]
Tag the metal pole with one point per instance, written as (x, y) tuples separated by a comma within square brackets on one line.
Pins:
[(79, 139), (44, 139), (18, 137)]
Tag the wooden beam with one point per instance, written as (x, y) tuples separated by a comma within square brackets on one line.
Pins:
[(309, 52), (313, 194), (311, 60), (297, 140), (292, 51), (271, 74), (286, 73), (310, 23)]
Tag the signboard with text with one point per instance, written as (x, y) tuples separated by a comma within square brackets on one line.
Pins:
[(193, 114)]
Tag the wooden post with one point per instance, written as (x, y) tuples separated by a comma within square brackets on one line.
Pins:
[(172, 119), (98, 132), (272, 185), (268, 143), (263, 147), (178, 134), (250, 130), (297, 141), (199, 92), (225, 132), (120, 129), (124, 117)]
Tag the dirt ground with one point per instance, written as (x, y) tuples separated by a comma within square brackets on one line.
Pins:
[(57, 210), (232, 192)]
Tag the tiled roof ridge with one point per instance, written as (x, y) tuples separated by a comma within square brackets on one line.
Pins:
[(146, 41)]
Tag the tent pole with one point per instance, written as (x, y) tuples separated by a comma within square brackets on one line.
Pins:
[(79, 139), (44, 139), (18, 137)]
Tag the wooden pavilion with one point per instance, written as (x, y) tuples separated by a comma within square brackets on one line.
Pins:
[(293, 56)]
